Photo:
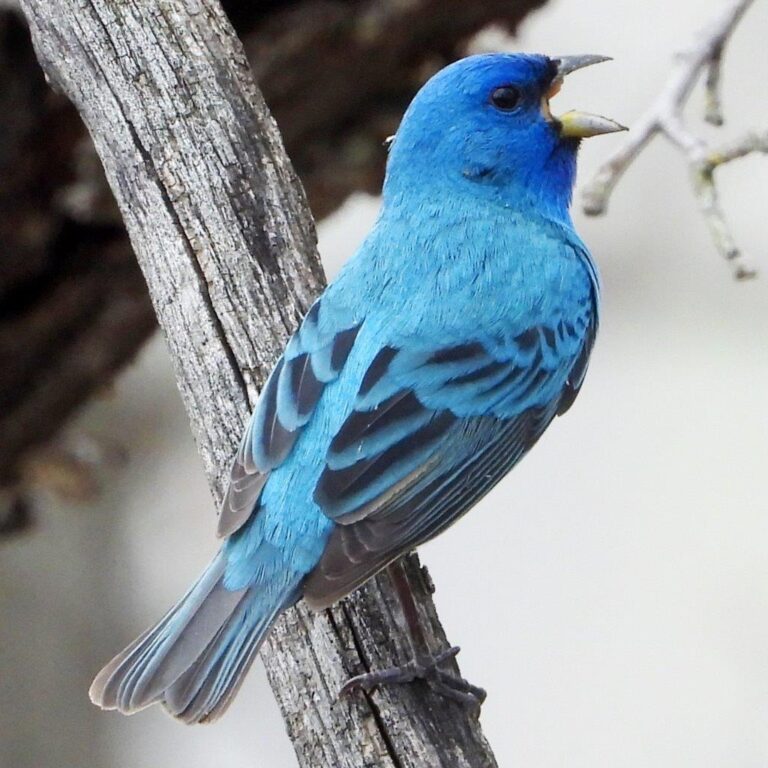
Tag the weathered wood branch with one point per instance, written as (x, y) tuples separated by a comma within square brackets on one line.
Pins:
[(57, 215), (224, 237)]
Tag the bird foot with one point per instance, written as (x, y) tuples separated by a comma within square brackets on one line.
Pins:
[(422, 668)]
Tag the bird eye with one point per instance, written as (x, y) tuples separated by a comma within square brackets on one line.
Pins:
[(505, 98)]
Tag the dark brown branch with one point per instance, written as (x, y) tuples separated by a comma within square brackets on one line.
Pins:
[(222, 232), (366, 61), (74, 308)]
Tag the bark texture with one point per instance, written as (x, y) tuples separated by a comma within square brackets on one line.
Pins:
[(337, 75), (223, 234)]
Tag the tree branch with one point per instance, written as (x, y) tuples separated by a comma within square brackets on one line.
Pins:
[(58, 217), (223, 235), (665, 117)]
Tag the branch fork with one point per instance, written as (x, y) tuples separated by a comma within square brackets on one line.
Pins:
[(665, 117)]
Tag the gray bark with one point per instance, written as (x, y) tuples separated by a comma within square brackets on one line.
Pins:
[(223, 235), (68, 323)]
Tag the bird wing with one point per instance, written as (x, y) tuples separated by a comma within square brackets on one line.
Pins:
[(312, 359), (433, 430)]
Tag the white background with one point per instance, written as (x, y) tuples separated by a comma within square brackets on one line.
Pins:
[(611, 594)]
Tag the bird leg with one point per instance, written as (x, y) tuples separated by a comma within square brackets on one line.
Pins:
[(424, 665)]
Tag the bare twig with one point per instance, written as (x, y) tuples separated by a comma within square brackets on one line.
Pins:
[(706, 193), (713, 108), (665, 117)]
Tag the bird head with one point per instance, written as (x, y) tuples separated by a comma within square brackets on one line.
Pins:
[(483, 126)]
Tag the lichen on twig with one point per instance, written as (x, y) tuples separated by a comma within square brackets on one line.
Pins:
[(665, 117)]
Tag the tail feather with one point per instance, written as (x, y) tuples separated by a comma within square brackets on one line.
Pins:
[(115, 685), (194, 659), (172, 656), (205, 690)]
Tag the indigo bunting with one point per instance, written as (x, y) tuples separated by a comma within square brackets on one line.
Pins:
[(421, 376)]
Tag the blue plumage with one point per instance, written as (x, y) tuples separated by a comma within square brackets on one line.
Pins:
[(436, 359)]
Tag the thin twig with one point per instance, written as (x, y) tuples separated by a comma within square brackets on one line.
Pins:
[(713, 108), (706, 193), (665, 117)]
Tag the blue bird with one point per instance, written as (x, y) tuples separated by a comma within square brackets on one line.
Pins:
[(421, 376)]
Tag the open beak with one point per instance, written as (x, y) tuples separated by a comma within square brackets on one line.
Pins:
[(573, 124)]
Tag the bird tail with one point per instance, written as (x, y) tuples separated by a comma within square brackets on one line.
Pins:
[(194, 660)]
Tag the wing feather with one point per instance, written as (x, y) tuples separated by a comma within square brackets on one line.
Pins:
[(312, 359), (433, 432)]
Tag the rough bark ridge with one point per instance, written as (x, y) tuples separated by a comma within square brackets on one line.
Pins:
[(337, 75), (223, 235)]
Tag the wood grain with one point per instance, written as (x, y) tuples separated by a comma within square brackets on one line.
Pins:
[(221, 229)]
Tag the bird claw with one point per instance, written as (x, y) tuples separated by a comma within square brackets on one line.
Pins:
[(427, 669)]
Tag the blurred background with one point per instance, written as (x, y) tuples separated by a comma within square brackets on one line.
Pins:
[(611, 594)]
